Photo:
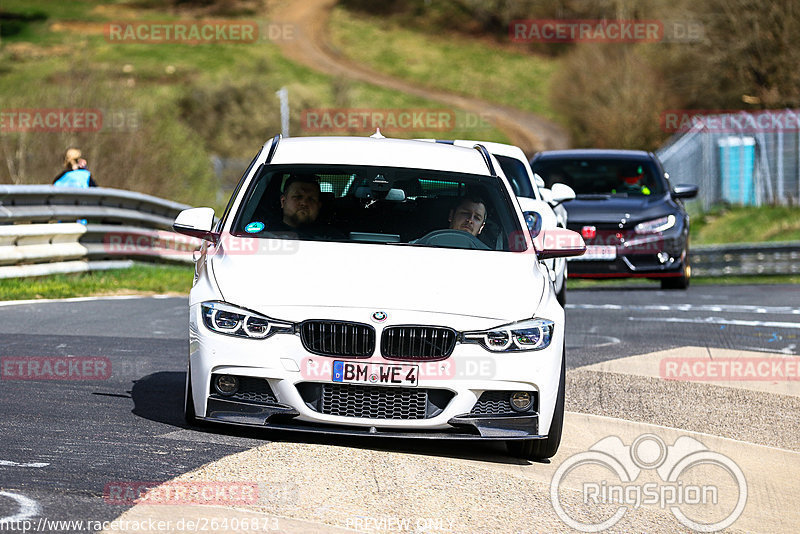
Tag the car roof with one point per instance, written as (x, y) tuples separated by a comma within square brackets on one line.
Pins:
[(499, 149), (597, 153), (379, 151)]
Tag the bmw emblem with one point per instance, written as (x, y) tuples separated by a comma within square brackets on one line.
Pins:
[(379, 316)]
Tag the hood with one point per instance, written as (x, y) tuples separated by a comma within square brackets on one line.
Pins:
[(295, 274), (614, 209)]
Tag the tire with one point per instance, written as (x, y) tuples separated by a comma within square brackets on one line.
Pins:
[(541, 449), (679, 282), (561, 296), (189, 414)]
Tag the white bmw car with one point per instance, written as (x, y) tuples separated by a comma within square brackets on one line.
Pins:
[(383, 287)]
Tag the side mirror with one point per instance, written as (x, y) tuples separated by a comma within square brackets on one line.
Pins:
[(559, 243), (196, 222), (539, 181), (562, 193), (684, 191)]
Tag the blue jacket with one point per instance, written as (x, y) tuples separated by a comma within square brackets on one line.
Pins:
[(76, 178)]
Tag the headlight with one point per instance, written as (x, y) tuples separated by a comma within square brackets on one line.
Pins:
[(656, 225), (532, 334), (226, 319)]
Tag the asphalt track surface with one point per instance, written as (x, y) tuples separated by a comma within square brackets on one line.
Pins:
[(64, 441)]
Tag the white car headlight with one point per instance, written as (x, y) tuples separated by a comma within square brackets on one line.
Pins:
[(233, 321), (656, 225), (531, 334)]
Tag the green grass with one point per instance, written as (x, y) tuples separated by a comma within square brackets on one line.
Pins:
[(139, 279), (44, 64), (452, 62), (746, 225)]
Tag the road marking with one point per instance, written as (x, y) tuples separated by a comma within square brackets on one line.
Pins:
[(27, 508), (718, 308), (718, 321), (9, 463)]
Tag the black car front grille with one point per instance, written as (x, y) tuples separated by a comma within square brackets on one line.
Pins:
[(335, 338), (498, 403), (251, 389), (374, 402), (417, 343)]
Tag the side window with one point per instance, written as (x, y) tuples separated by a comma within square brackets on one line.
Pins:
[(221, 222)]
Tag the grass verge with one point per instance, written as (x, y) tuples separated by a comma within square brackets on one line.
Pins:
[(746, 225), (139, 279)]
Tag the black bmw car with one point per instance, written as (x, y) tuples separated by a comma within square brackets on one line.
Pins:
[(631, 217)]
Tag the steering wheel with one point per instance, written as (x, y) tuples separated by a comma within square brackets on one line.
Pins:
[(452, 238)]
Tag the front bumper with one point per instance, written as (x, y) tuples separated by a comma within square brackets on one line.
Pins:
[(657, 256), (464, 427), (452, 397)]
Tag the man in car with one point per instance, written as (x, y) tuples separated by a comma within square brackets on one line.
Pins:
[(469, 215), (300, 205)]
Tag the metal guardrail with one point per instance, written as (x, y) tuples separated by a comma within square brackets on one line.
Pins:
[(746, 259), (39, 235)]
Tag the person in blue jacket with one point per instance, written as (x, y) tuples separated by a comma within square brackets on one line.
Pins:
[(75, 173)]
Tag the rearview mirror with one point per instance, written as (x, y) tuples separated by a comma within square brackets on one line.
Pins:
[(196, 222), (561, 193), (684, 191)]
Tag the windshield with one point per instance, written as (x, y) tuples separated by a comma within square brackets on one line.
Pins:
[(602, 177), (366, 204)]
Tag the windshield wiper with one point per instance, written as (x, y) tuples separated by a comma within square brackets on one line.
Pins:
[(594, 196)]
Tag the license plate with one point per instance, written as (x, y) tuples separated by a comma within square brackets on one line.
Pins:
[(375, 373), (598, 252)]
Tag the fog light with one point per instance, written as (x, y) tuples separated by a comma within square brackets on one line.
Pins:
[(521, 401), (663, 257), (226, 385)]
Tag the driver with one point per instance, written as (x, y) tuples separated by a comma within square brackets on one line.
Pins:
[(469, 215)]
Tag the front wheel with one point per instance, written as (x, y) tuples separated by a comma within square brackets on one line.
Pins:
[(541, 449), (189, 414), (679, 282)]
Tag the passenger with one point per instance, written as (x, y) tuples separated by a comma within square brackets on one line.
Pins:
[(469, 215), (75, 173)]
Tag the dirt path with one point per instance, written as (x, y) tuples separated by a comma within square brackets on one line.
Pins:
[(311, 47)]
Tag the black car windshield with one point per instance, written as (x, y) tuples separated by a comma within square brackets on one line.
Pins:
[(387, 205), (591, 177)]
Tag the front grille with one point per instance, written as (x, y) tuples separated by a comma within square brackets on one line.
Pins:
[(334, 338), (498, 403), (250, 390), (417, 343), (374, 402)]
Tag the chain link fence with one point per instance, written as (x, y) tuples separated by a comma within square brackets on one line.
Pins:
[(738, 158)]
